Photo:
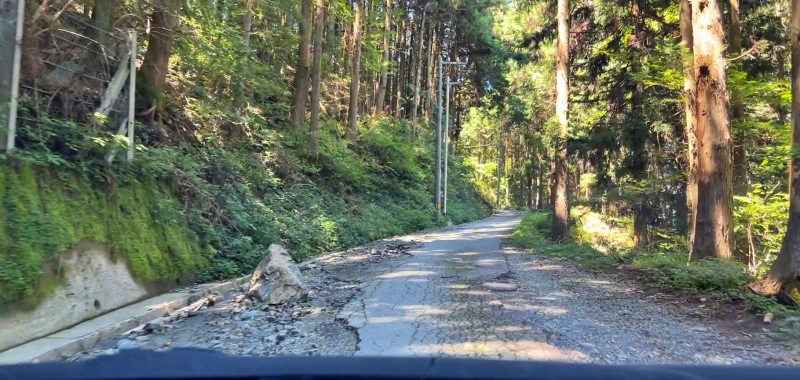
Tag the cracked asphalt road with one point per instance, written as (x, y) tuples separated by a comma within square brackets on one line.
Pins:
[(457, 292), (434, 303), (463, 294)]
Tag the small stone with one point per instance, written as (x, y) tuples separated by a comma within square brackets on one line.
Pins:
[(702, 300), (110, 351), (768, 317), (239, 298), (126, 344), (151, 327), (280, 337), (698, 329), (194, 298), (143, 338), (587, 345), (791, 320), (160, 350), (249, 315), (236, 310)]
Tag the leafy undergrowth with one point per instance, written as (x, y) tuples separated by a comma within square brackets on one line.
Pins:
[(599, 243), (212, 210)]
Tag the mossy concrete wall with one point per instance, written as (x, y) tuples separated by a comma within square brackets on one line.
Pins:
[(93, 283)]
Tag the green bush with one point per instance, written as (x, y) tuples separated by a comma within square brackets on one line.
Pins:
[(213, 210)]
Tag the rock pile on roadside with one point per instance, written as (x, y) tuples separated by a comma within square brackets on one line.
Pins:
[(286, 309)]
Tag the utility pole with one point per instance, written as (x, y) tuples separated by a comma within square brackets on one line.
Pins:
[(437, 192), (447, 137), (499, 161)]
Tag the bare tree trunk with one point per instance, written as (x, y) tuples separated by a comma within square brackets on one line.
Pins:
[(713, 212), (560, 229), (387, 28), (431, 72), (687, 40), (539, 184), (354, 81), (739, 155), (316, 81), (638, 136), (247, 22), (417, 76), (300, 94), (402, 62), (155, 66), (103, 18), (238, 86), (740, 181), (785, 271)]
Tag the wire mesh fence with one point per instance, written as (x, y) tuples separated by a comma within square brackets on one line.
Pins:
[(74, 70)]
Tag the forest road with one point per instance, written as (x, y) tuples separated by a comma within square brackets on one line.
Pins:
[(463, 293), (455, 292)]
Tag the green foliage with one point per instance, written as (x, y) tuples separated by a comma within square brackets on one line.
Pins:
[(45, 213), (213, 211), (665, 265)]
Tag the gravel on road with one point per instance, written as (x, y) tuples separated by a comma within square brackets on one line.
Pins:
[(453, 292)]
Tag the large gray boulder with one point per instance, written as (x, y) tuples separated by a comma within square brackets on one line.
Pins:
[(277, 279)]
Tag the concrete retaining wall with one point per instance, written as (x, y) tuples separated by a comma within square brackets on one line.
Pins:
[(93, 284)]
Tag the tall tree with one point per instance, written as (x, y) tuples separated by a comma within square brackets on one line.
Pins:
[(639, 131), (418, 73), (387, 28), (687, 40), (316, 80), (402, 63), (102, 18), (713, 213), (560, 228), (785, 271), (300, 94), (356, 69), (155, 66), (740, 186)]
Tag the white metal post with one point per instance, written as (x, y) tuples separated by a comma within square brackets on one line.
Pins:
[(437, 187), (131, 94), (15, 74), (446, 140)]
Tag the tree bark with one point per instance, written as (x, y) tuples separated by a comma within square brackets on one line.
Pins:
[(247, 22), (431, 72), (638, 136), (418, 76), (155, 66), (560, 228), (387, 28), (740, 180), (739, 154), (103, 18), (300, 94), (316, 80), (713, 212), (687, 40), (402, 62), (354, 81), (539, 185), (784, 273)]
